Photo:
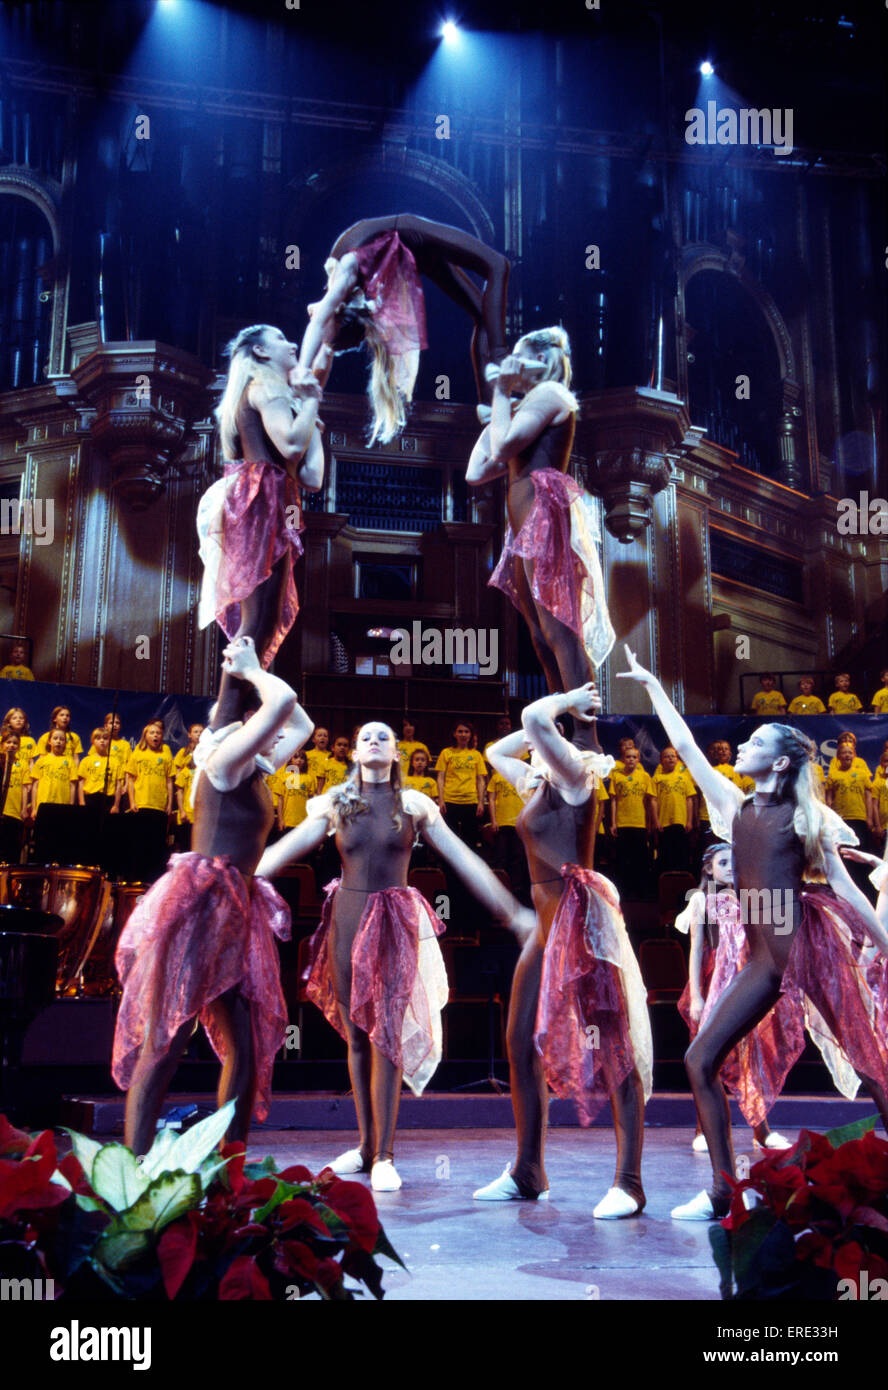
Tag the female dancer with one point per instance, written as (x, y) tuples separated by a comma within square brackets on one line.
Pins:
[(578, 1014), (781, 836), (374, 296), (200, 944), (718, 950), (249, 520), (549, 566), (376, 970)]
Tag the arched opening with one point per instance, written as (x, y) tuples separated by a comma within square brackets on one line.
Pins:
[(26, 246), (728, 339)]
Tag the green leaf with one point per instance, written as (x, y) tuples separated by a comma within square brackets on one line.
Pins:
[(85, 1151), (169, 1196), (117, 1177), (720, 1241), (282, 1193), (265, 1168), (210, 1167), (61, 1180), (846, 1133), (154, 1161), (747, 1242), (384, 1246), (123, 1248), (191, 1148), (89, 1203)]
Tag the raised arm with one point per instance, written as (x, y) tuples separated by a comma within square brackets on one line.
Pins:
[(720, 793), (503, 757), (560, 756), (544, 405), (279, 711), (322, 323)]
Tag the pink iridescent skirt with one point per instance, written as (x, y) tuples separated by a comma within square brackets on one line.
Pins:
[(200, 931), (247, 521), (754, 1071), (592, 1024), (399, 985), (391, 281), (560, 536)]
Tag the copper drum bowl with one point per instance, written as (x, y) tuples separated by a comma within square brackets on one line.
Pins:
[(99, 974), (78, 897)]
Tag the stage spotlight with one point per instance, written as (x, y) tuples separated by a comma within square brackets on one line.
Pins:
[(449, 31), (707, 69)]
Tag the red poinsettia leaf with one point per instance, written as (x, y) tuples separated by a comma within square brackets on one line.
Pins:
[(175, 1254), (354, 1205), (249, 1229), (12, 1140), (868, 1216), (24, 1186), (847, 1261), (244, 1279), (297, 1212), (71, 1168), (328, 1274), (296, 1174), (42, 1153), (814, 1246), (234, 1170), (296, 1258)]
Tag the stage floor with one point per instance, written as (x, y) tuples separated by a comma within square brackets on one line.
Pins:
[(457, 1249)]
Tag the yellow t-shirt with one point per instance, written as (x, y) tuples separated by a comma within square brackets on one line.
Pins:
[(316, 757), (16, 673), (768, 702), (12, 806), (880, 794), (333, 772), (181, 758), (122, 749), (630, 790), (844, 702), (73, 746), (427, 785), (295, 790), (183, 779), (880, 700), (54, 773), (727, 770), (849, 792), (507, 803), (461, 768), (807, 704), (150, 772), (406, 749), (91, 771), (27, 749), (672, 790)]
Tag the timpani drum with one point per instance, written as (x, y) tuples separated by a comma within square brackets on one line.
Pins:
[(99, 974), (77, 895)]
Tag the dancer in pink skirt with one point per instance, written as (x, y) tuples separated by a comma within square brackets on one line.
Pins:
[(549, 567), (200, 944), (578, 1016), (803, 939), (376, 970), (374, 296), (249, 521)]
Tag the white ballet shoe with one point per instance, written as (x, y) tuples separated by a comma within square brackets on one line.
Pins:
[(773, 1141), (615, 1204), (384, 1176), (352, 1161), (700, 1145), (699, 1209), (505, 1189), (484, 413)]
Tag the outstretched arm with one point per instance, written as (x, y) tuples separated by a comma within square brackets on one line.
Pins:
[(719, 792), (322, 324), (478, 878), (294, 846)]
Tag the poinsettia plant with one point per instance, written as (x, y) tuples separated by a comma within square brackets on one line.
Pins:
[(190, 1221), (818, 1224)]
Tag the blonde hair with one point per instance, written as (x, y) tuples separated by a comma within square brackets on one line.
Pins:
[(152, 723), (348, 801), (392, 375), (554, 345), (245, 367)]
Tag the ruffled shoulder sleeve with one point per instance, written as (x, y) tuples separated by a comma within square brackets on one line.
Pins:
[(417, 805)]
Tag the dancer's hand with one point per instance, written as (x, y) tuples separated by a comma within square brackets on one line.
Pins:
[(517, 374), (305, 383), (323, 358), (239, 657), (860, 856), (636, 671), (584, 702)]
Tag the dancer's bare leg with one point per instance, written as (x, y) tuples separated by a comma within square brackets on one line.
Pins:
[(148, 1089), (627, 1108), (530, 1097), (233, 1019), (386, 1098), (360, 1049), (258, 619)]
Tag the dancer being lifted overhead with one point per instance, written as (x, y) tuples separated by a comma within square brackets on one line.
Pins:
[(200, 944), (374, 296), (376, 970), (578, 1014), (549, 567), (249, 521), (783, 837)]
